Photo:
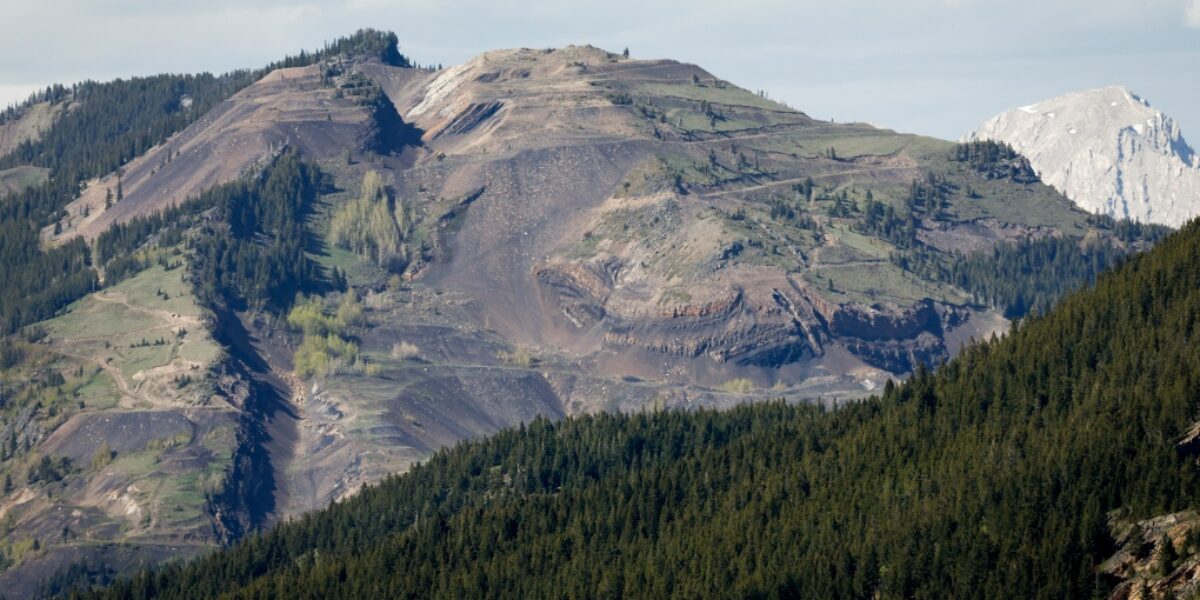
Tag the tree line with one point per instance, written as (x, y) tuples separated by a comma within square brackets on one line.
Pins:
[(109, 124), (995, 477), (247, 238)]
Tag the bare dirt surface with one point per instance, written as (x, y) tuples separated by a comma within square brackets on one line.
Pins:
[(30, 125), (590, 233), (550, 150), (288, 108), (141, 362)]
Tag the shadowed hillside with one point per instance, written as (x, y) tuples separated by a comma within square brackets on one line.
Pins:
[(275, 286), (1009, 473)]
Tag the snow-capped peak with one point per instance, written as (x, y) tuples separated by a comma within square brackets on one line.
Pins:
[(1108, 150)]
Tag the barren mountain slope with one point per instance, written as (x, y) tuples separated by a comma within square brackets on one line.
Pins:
[(325, 117), (615, 207), (647, 231), (571, 231), (28, 124), (596, 233)]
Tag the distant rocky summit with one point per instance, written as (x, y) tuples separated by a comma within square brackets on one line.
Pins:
[(1109, 151)]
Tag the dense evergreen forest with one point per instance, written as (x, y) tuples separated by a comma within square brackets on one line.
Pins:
[(994, 477), (254, 254), (1030, 274), (249, 242), (37, 283), (109, 124)]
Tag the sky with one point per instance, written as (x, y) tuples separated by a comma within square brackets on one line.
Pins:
[(935, 67)]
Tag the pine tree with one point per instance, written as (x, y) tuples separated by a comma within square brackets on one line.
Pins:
[(1168, 556)]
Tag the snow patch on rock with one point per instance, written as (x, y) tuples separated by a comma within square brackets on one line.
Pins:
[(1108, 151)]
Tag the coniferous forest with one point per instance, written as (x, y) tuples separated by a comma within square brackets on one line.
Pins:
[(249, 246), (997, 476), (109, 124), (1029, 274), (1005, 473)]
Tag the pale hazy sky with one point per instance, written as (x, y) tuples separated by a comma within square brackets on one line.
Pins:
[(937, 67)]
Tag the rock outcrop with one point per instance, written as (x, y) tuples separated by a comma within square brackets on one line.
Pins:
[(1146, 569), (1107, 150)]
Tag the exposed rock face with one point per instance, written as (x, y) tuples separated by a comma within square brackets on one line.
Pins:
[(886, 322), (1138, 565), (620, 215), (589, 233), (895, 338), (1107, 150), (770, 324)]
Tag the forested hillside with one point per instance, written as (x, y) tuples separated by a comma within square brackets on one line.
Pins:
[(109, 124), (249, 253), (543, 234), (108, 366), (1032, 274), (1002, 475)]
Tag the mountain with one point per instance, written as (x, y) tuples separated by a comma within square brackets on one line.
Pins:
[(1056, 462), (1107, 150), (233, 299)]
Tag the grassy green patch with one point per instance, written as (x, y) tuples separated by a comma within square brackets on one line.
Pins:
[(18, 178), (91, 318), (199, 349), (158, 289), (737, 386), (728, 95), (874, 283), (690, 120), (136, 464), (145, 358), (856, 246), (99, 391), (180, 500)]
